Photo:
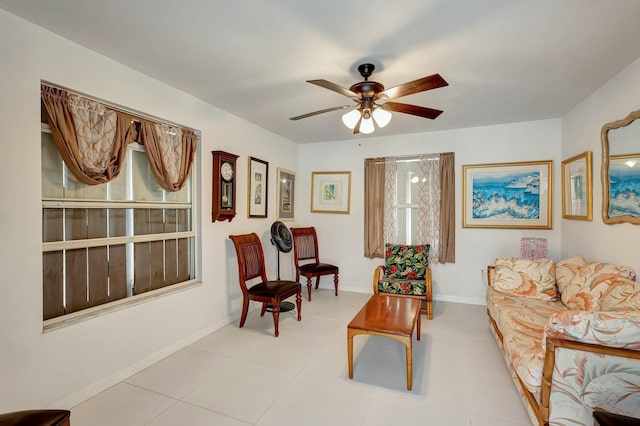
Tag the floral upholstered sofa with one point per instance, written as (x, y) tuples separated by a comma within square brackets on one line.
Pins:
[(570, 335)]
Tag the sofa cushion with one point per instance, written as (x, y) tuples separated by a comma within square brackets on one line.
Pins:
[(526, 277), (618, 329), (522, 321), (406, 262), (407, 287), (622, 295), (591, 283), (566, 270)]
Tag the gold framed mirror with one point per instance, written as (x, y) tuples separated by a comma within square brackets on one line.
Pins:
[(621, 170)]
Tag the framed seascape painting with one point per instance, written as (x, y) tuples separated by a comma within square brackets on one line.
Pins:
[(507, 195), (331, 192), (258, 184), (286, 195), (624, 186), (577, 187)]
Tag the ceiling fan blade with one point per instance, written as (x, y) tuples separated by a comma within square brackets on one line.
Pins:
[(322, 111), (412, 109), (356, 129), (416, 86), (332, 86)]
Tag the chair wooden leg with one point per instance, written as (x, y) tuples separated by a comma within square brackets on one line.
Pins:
[(245, 309), (317, 281), (335, 282), (427, 308), (299, 304), (309, 287), (276, 315), (264, 309)]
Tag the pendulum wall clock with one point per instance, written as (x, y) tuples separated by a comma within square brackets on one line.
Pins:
[(224, 186)]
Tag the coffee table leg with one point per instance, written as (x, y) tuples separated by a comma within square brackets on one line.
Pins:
[(350, 351), (409, 364)]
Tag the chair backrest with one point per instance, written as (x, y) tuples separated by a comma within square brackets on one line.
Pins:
[(250, 258), (305, 244), (406, 261)]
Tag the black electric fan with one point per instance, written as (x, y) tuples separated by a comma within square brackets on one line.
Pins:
[(281, 238)]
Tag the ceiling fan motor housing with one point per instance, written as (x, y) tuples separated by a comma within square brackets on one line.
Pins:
[(366, 70)]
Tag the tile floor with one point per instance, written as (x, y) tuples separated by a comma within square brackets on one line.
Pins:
[(246, 376)]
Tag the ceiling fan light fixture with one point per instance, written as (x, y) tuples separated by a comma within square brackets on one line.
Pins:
[(351, 118), (381, 117), (366, 126)]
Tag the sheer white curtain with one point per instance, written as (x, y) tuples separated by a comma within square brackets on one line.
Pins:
[(428, 201)]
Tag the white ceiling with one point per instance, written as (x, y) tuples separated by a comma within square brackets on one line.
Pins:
[(505, 60)]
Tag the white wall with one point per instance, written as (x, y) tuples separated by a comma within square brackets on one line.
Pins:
[(60, 367), (341, 236), (581, 132)]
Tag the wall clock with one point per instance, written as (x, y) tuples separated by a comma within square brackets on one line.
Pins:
[(224, 186)]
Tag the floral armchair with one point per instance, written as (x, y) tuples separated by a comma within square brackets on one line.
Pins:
[(406, 273)]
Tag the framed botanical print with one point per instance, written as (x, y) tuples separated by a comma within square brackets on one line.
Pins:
[(331, 192), (286, 195), (258, 188), (577, 187)]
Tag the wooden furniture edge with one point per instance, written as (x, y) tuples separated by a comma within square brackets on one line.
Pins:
[(491, 269), (376, 278)]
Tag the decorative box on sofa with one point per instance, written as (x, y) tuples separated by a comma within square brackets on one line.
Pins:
[(570, 335)]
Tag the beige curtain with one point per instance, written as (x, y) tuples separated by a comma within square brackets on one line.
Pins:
[(447, 245), (374, 173), (92, 139), (391, 231), (170, 151)]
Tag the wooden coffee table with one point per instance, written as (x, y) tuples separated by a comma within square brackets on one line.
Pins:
[(389, 316)]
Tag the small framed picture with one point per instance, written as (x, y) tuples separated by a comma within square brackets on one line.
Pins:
[(331, 192), (286, 195), (258, 185), (576, 187)]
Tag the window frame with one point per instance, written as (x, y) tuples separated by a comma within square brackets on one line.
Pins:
[(193, 238)]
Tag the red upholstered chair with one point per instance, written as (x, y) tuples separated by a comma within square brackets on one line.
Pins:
[(305, 251), (250, 267)]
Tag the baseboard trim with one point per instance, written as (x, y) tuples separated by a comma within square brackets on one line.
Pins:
[(458, 299), (101, 385), (441, 298)]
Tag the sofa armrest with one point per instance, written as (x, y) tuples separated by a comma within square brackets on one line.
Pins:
[(578, 377), (616, 329), (379, 272), (592, 359)]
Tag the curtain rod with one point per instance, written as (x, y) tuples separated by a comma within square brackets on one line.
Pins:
[(407, 157), (121, 108)]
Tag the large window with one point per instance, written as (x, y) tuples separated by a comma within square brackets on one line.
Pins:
[(105, 243), (410, 200)]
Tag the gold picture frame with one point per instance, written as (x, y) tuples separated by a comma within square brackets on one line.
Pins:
[(577, 187), (507, 195), (331, 192), (286, 192)]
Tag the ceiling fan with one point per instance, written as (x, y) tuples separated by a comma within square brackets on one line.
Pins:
[(372, 100)]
